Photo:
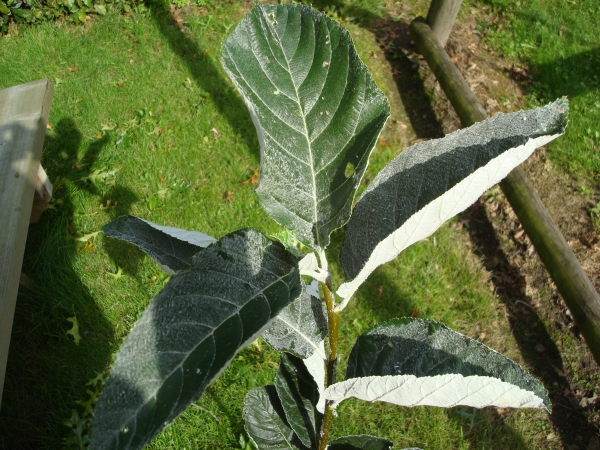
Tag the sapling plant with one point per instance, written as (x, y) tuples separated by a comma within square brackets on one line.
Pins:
[(318, 115)]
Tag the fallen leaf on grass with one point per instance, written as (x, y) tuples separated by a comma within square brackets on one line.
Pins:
[(117, 275), (75, 330), (253, 179), (88, 247), (87, 237), (215, 132), (109, 205), (162, 130), (48, 127), (385, 143), (228, 196)]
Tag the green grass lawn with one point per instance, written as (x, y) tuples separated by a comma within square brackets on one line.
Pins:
[(558, 40), (145, 122)]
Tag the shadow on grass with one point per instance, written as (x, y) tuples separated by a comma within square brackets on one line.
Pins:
[(528, 328), (47, 372), (204, 72), (571, 76)]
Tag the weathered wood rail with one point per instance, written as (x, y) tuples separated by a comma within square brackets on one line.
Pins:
[(565, 270), (23, 118)]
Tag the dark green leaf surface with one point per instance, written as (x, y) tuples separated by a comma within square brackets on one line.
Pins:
[(299, 395), (317, 113), (299, 328), (172, 248), (190, 332), (423, 348), (360, 442), (434, 180), (266, 423)]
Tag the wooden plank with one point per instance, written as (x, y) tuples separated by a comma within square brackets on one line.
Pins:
[(441, 17), (24, 113), (565, 270)]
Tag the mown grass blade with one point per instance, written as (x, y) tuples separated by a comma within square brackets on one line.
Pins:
[(317, 113), (190, 332), (432, 181)]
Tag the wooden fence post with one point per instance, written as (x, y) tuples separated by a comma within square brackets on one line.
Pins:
[(571, 280), (441, 17)]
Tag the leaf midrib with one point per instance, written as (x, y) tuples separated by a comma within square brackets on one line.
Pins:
[(306, 134)]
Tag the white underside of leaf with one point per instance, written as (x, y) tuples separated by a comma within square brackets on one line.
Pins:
[(193, 237), (444, 391), (316, 367), (312, 288), (309, 266), (427, 220)]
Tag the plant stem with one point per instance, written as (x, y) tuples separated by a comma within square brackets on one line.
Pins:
[(326, 426), (332, 319)]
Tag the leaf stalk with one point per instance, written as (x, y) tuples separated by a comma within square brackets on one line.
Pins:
[(332, 319)]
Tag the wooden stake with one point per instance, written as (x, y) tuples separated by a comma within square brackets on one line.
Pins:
[(441, 17)]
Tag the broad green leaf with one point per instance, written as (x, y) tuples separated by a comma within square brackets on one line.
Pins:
[(299, 395), (190, 332), (316, 110), (434, 180), (266, 423), (445, 391), (425, 348), (360, 442), (299, 328), (172, 248)]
